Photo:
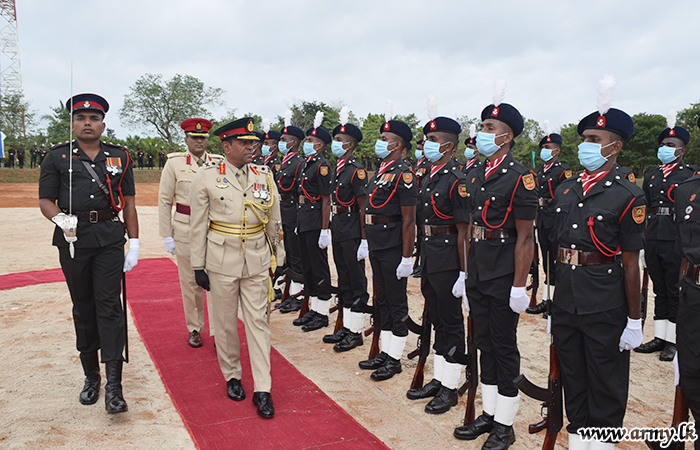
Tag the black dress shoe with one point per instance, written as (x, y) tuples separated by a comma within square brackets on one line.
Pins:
[(336, 337), (501, 438), (290, 305), (668, 352), (482, 424), (316, 323), (537, 309), (655, 345), (114, 399), (306, 318), (235, 390), (443, 401), (195, 340), (91, 368), (374, 363), (416, 272), (263, 400), (429, 390), (390, 368), (350, 341)]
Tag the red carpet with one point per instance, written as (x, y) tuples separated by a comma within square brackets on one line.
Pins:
[(305, 417)]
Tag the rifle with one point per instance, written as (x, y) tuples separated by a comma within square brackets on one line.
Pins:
[(376, 327), (293, 276), (335, 291), (126, 323), (645, 294), (471, 362), (423, 346), (535, 272)]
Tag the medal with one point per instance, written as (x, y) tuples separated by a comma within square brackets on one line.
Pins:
[(256, 194)]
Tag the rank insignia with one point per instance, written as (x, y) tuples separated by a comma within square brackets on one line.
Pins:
[(222, 186), (407, 177), (567, 173), (462, 189), (692, 197), (222, 168), (529, 182), (250, 126), (198, 126), (114, 165), (361, 174), (252, 169), (631, 177), (638, 214), (324, 171)]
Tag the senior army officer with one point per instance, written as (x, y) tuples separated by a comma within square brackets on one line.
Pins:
[(234, 224)]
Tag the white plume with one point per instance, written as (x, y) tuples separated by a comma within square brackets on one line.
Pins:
[(547, 127), (318, 119), (266, 125), (499, 92), (388, 111), (671, 118), (432, 107), (344, 113), (605, 93), (472, 131), (288, 118)]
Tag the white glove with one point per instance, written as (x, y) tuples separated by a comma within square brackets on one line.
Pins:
[(676, 371), (519, 301), (132, 256), (405, 268), (362, 250), (68, 224), (324, 239), (295, 230), (632, 335), (169, 244), (549, 324), (642, 258), (458, 287), (465, 300)]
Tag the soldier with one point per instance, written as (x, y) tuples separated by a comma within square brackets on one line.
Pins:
[(390, 228), (33, 154), (93, 260), (471, 152), (161, 159), (549, 175), (175, 183), (234, 227), (315, 189), (20, 156), (11, 157), (139, 155), (595, 314), (258, 157), (42, 155), (422, 166), (150, 160), (663, 263), (270, 148), (503, 204), (349, 241), (446, 220)]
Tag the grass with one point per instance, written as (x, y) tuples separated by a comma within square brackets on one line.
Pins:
[(32, 175)]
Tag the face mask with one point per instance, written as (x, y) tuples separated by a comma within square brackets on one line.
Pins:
[(381, 148), (469, 153), (309, 149), (419, 154), (590, 156), (486, 143), (667, 154), (431, 150), (546, 154), (283, 147), (266, 150), (337, 148)]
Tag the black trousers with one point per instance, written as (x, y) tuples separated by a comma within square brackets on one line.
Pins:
[(595, 374), (94, 281), (352, 280), (664, 265), (445, 310), (688, 342), (495, 332), (314, 261), (391, 292), (549, 247), (292, 249)]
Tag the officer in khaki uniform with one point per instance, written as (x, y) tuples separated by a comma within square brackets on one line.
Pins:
[(234, 223), (175, 183)]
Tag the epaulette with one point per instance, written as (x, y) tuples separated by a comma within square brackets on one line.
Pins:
[(457, 172), (112, 144), (571, 179), (519, 167), (630, 186), (261, 167), (60, 144), (210, 164), (176, 154), (215, 157)]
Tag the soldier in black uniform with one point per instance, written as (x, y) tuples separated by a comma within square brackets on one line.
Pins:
[(663, 263), (94, 270), (595, 314), (471, 153), (161, 158), (313, 220), (390, 227), (420, 169), (42, 155), (139, 155), (150, 160), (33, 153), (445, 213), (349, 241), (549, 176), (11, 157), (20, 156), (258, 157), (503, 205), (270, 148)]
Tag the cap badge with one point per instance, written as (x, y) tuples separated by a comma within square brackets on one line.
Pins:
[(495, 111), (86, 104), (198, 126), (386, 125), (250, 126), (267, 135), (672, 132), (549, 139), (433, 125), (314, 132), (342, 129), (285, 130), (600, 122)]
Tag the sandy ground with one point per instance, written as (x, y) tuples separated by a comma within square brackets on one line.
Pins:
[(41, 374)]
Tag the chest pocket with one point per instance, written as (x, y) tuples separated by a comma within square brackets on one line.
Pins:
[(605, 226)]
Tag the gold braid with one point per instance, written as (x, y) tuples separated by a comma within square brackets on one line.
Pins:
[(262, 212)]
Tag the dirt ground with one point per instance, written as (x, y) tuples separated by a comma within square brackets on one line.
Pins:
[(41, 374)]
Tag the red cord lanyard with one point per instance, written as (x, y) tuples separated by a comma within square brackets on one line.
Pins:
[(387, 200), (121, 205), (337, 197), (510, 208), (291, 185), (599, 245), (306, 194)]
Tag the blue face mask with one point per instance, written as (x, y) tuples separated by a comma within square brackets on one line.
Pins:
[(283, 147), (419, 154), (590, 156), (381, 148), (266, 150), (431, 150), (469, 153), (486, 143), (667, 154), (309, 149), (546, 154), (337, 148)]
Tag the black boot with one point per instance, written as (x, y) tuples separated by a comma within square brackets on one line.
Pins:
[(429, 390), (537, 309), (318, 322), (374, 363), (306, 318), (390, 368), (114, 399), (443, 401), (501, 438), (350, 341), (668, 352), (655, 345), (482, 424), (336, 337), (91, 368)]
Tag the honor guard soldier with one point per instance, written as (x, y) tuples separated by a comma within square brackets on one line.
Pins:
[(349, 241), (270, 148), (288, 184), (20, 156), (150, 160), (161, 158), (175, 183), (503, 205), (258, 157), (93, 259), (139, 155), (422, 166), (11, 157), (663, 263), (445, 213), (390, 227), (471, 152), (549, 176), (595, 314), (315, 189), (234, 228), (33, 154)]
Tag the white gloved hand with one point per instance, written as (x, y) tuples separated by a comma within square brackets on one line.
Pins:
[(169, 244), (295, 230), (519, 301), (132, 256), (362, 250), (465, 300), (632, 335), (405, 268), (458, 287), (642, 258), (68, 224), (324, 239), (676, 371)]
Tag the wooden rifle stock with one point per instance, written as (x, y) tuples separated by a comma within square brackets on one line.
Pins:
[(645, 294), (376, 323), (423, 348), (680, 415), (535, 272)]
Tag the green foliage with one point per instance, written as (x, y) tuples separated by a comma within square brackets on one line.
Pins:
[(58, 129), (688, 119), (569, 149), (640, 151), (15, 117)]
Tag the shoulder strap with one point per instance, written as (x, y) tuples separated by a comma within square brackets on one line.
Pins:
[(92, 173)]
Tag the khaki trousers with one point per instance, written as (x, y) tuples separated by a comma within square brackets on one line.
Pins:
[(192, 295)]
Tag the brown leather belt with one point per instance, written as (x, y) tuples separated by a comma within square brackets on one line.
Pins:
[(545, 201), (95, 216), (662, 210), (284, 197), (374, 219), (485, 233), (335, 209), (581, 258), (182, 209), (439, 230), (693, 272), (304, 201)]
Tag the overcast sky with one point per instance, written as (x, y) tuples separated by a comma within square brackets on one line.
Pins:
[(268, 54)]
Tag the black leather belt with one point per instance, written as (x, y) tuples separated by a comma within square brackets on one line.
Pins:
[(545, 201), (692, 271), (374, 219), (95, 216), (485, 233), (284, 197), (581, 258), (439, 230), (662, 210), (304, 201), (336, 209)]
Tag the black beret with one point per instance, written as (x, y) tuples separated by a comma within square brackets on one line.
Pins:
[(320, 133), (239, 129), (260, 136), (507, 114), (294, 131), (614, 120), (87, 102), (676, 132), (398, 128), (350, 130), (470, 141), (421, 142), (553, 138), (442, 124), (272, 134)]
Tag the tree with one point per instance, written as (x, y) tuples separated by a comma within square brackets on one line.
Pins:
[(639, 152), (688, 119), (160, 106), (15, 116), (58, 129)]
